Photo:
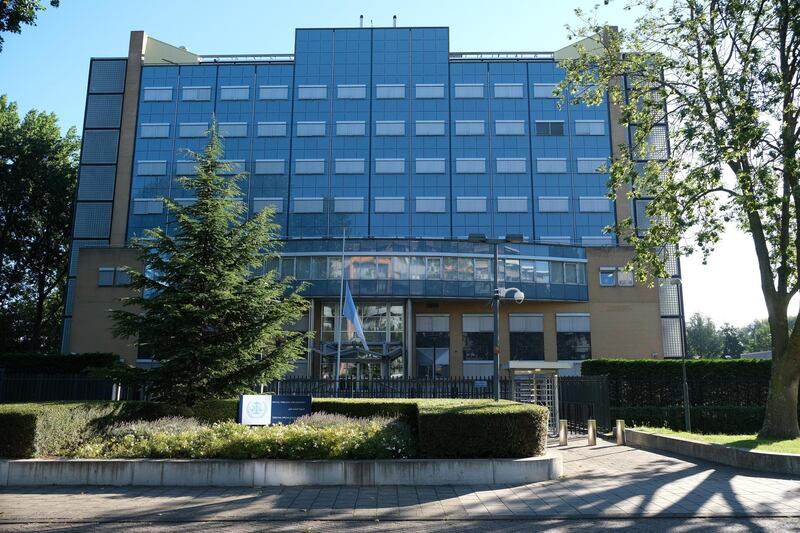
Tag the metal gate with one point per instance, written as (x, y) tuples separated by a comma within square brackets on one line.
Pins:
[(541, 390), (581, 398)]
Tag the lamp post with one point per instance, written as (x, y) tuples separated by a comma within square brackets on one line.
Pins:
[(687, 417), (497, 294)]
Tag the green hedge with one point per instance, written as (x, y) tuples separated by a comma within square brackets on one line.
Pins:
[(696, 369), (56, 364), (439, 428), (730, 420)]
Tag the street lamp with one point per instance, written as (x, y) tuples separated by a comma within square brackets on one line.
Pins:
[(497, 294), (687, 417)]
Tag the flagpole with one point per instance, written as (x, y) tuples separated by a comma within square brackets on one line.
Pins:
[(339, 321)]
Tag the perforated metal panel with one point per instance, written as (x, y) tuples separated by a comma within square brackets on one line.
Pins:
[(100, 146), (92, 220), (96, 183), (671, 260), (103, 111), (107, 76), (671, 336), (668, 298)]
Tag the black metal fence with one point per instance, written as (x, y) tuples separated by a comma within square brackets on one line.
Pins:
[(481, 387), (581, 398), (707, 392), (28, 387)]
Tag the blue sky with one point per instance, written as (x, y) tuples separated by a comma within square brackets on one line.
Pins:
[(46, 68)]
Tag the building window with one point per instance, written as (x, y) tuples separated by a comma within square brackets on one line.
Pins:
[(259, 204), (608, 277), (349, 166), (309, 166), (353, 128), (551, 165), (269, 166), (271, 129), (509, 127), (512, 204), (390, 166), (312, 92), (310, 129), (429, 90), (394, 204), (553, 204), (624, 278), (351, 92), (471, 204), (148, 206), (433, 346), (241, 92), (390, 127), (348, 205), (591, 166), (430, 127), (192, 129), (470, 165), (599, 240), (550, 128), (478, 336), (573, 336), (526, 337), (186, 168), (105, 277), (594, 204), (429, 166), (511, 165), (508, 90), (574, 274), (590, 127), (469, 127), (308, 205), (469, 90), (544, 90), (154, 131), (157, 94), (273, 92), (431, 204), (233, 129), (390, 91), (196, 94), (151, 168)]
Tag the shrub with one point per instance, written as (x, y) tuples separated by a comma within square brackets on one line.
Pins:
[(696, 369), (216, 410), (53, 429), (57, 364), (311, 437), (730, 420), (481, 428)]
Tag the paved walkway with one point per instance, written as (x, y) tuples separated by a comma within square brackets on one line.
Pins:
[(602, 482)]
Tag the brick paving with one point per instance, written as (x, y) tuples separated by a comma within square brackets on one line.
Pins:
[(603, 482)]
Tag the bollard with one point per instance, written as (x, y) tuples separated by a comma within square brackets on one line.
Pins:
[(592, 433), (620, 431), (562, 432)]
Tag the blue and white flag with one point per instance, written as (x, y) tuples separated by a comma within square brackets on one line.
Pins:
[(351, 314)]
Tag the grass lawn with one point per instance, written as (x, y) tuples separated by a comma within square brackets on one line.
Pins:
[(750, 442)]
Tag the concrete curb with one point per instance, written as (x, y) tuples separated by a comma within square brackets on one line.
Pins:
[(263, 473), (779, 463)]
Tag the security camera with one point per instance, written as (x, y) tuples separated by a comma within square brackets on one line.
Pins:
[(519, 297)]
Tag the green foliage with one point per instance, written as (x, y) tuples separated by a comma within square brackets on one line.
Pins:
[(311, 437), (219, 410), (405, 410), (15, 13), (730, 420), (58, 429), (702, 337), (213, 322), (56, 364), (37, 182), (696, 369), (721, 79)]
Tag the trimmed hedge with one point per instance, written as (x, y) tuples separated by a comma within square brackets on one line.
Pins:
[(730, 420), (56, 364), (439, 428), (696, 369)]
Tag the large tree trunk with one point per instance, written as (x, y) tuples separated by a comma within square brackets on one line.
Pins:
[(780, 419)]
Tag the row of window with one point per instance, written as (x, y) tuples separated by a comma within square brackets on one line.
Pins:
[(112, 277), (397, 204), (464, 165), (347, 92), (615, 277), (430, 269), (383, 128)]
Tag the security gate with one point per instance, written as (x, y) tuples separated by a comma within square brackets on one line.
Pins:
[(541, 390)]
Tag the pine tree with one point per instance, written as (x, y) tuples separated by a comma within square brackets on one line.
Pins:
[(214, 324)]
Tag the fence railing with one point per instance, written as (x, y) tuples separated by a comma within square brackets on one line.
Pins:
[(27, 387), (477, 388)]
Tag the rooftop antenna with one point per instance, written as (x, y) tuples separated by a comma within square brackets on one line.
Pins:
[(394, 21), (361, 21)]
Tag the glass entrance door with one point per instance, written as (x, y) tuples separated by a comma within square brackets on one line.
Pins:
[(433, 346)]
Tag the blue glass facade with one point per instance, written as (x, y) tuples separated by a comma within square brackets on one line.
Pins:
[(380, 133)]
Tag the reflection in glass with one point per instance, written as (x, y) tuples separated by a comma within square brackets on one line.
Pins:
[(434, 269)]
